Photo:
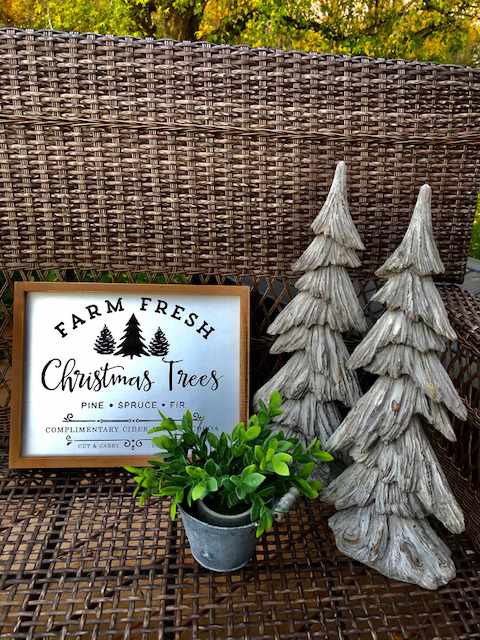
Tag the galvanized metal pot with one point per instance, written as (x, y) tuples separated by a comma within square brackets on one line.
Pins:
[(216, 547)]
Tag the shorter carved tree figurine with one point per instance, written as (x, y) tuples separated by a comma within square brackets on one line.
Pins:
[(315, 381), (159, 344), (105, 343)]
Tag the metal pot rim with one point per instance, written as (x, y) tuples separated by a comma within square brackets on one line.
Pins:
[(215, 526)]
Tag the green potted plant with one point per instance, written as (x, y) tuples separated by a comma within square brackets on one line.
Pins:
[(228, 487)]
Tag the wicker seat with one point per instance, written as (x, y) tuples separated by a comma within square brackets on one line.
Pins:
[(130, 160)]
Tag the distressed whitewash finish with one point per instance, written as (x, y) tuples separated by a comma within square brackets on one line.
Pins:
[(316, 376), (395, 482)]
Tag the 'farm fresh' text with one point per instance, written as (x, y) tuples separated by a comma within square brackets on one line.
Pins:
[(162, 307)]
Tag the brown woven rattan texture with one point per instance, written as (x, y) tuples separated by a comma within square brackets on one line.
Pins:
[(122, 153), (130, 160), (79, 559)]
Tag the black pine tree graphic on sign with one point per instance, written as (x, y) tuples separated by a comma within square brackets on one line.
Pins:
[(132, 343), (105, 343), (159, 344)]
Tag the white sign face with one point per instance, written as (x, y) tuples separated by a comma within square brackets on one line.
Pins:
[(99, 366)]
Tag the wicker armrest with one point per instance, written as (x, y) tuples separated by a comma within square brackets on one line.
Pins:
[(460, 460), (464, 312), (463, 360)]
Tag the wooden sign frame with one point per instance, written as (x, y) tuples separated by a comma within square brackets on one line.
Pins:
[(22, 289)]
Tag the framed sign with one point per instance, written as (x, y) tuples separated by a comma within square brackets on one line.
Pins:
[(93, 364)]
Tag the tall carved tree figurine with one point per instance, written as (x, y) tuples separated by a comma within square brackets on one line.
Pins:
[(105, 343), (158, 344), (383, 499), (310, 327), (132, 343)]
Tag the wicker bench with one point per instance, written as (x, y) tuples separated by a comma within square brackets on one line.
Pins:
[(129, 160)]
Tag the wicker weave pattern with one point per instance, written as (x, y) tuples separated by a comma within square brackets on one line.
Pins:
[(79, 559), (121, 153), (120, 156)]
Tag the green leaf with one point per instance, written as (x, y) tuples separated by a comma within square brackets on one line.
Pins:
[(211, 467), (239, 450), (279, 466), (238, 432), (284, 457), (257, 504), (241, 491), (305, 488), (135, 470), (258, 453), (248, 470), (173, 510), (167, 491), (253, 432), (263, 406), (195, 472), (167, 424), (222, 445), (267, 519), (165, 443), (223, 481), (275, 400), (255, 512), (306, 470), (263, 418), (265, 523), (212, 484), (155, 429), (324, 456), (187, 421), (159, 464), (199, 491), (253, 480), (212, 440), (190, 438), (273, 444)]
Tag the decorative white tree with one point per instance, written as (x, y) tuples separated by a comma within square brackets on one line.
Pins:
[(383, 499), (311, 325)]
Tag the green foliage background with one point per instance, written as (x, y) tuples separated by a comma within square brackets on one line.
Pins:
[(436, 30)]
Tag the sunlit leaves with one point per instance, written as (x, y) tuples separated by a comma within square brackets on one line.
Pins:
[(439, 30)]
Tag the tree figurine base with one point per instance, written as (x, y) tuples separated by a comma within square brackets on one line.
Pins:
[(399, 548)]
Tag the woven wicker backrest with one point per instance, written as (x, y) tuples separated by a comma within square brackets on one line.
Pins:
[(120, 156), (131, 154)]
